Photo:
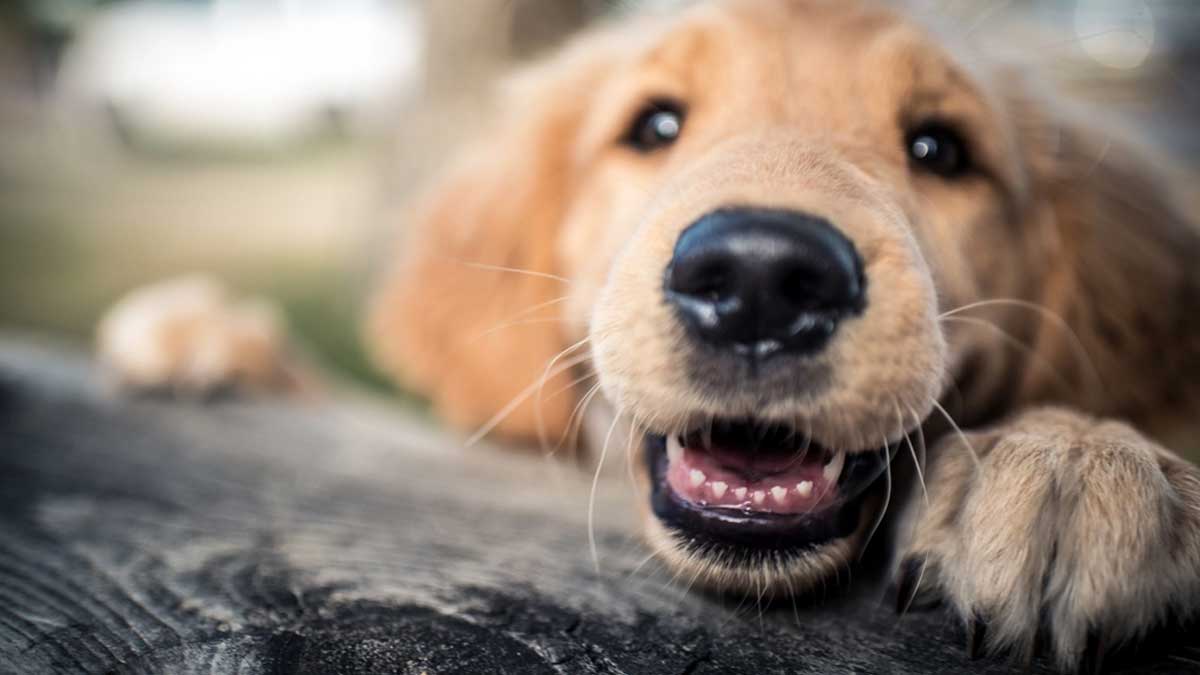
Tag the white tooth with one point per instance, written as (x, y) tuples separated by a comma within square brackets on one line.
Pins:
[(697, 477), (804, 488), (740, 493), (759, 496), (834, 468), (779, 493), (718, 488), (674, 449)]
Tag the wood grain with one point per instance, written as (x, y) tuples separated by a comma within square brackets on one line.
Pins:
[(144, 536)]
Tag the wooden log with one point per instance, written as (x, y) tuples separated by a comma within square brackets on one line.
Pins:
[(148, 536)]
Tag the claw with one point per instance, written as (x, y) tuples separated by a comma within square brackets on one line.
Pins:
[(1093, 654), (908, 582), (976, 636)]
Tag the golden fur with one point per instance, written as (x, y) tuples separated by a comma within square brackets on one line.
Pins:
[(1061, 272), (803, 105)]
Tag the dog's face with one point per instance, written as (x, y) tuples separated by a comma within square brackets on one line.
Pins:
[(760, 210)]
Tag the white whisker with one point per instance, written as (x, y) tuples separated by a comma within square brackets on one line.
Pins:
[(513, 270), (575, 420), (520, 398), (918, 462), (1007, 338), (591, 515), (961, 435), (638, 568), (515, 320), (887, 500), (537, 406), (1045, 313)]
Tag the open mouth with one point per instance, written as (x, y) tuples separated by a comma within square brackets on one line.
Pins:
[(748, 484)]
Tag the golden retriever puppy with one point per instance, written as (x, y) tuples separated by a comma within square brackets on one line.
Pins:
[(790, 240)]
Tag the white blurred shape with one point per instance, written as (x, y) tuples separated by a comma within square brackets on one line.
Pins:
[(1115, 33), (255, 71)]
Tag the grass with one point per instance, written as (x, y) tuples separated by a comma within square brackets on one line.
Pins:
[(80, 225)]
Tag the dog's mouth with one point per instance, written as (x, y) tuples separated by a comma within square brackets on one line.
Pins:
[(749, 484)]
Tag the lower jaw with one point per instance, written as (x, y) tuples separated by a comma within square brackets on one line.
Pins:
[(736, 538)]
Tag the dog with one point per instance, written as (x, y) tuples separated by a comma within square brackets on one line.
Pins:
[(783, 243)]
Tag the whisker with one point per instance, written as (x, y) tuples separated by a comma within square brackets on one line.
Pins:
[(911, 449), (1008, 339), (521, 397), (514, 319), (638, 568), (887, 500), (573, 383), (1060, 323), (917, 585), (550, 452), (513, 270), (691, 559), (591, 516), (575, 421), (537, 406), (758, 585), (695, 576), (961, 435), (792, 595)]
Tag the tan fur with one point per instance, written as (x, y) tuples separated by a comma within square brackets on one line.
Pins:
[(803, 105), (1082, 520), (191, 335)]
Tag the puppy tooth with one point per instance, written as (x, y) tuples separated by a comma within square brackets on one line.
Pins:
[(740, 493), (718, 488), (834, 468), (759, 496), (696, 477), (779, 493), (674, 449), (804, 488)]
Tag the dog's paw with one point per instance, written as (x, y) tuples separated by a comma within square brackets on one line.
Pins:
[(1057, 531), (189, 336)]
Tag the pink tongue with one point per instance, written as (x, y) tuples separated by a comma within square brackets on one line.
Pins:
[(778, 484)]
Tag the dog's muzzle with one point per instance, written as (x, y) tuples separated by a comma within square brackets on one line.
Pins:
[(759, 294)]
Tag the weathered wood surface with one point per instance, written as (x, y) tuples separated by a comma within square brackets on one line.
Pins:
[(146, 536)]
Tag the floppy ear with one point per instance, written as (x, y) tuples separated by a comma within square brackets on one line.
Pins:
[(470, 315), (1122, 274)]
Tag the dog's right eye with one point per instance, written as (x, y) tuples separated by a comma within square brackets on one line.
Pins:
[(655, 126), (939, 149)]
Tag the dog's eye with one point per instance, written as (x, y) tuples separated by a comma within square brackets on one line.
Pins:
[(657, 125), (938, 149)]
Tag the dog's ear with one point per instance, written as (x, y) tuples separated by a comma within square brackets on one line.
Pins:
[(470, 315), (1117, 253)]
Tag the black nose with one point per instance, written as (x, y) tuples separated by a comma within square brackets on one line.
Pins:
[(761, 281)]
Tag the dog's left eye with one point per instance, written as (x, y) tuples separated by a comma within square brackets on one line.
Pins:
[(938, 149), (657, 125)]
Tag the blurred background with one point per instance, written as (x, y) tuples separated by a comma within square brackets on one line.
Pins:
[(274, 143)]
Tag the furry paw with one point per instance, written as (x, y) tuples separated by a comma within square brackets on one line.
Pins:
[(1056, 528), (188, 336)]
